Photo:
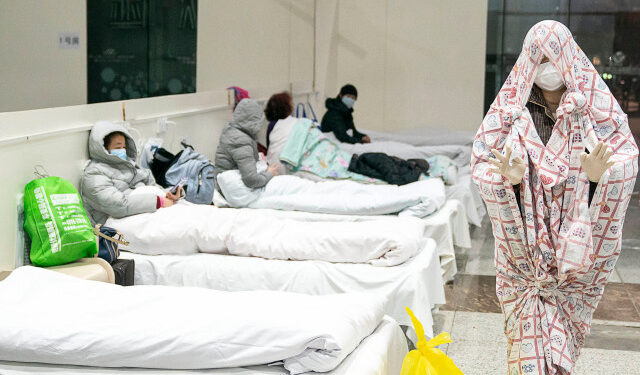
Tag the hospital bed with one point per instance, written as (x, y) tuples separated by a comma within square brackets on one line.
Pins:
[(381, 353), (464, 190), (446, 220), (415, 284)]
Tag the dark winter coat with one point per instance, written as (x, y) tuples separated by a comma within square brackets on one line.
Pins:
[(393, 170), (338, 119)]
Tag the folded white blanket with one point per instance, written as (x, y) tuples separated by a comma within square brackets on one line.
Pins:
[(53, 318), (187, 228), (292, 193)]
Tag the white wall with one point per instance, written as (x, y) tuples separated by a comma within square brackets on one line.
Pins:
[(416, 63), (34, 72), (249, 43)]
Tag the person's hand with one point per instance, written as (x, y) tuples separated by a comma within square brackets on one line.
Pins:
[(597, 162), (167, 203), (273, 169), (514, 172), (366, 139), (174, 197)]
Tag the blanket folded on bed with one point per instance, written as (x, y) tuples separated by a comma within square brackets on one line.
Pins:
[(186, 228), (308, 149), (53, 318), (292, 193)]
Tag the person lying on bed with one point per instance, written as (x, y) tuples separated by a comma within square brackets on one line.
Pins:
[(339, 116), (281, 122), (238, 146), (112, 174)]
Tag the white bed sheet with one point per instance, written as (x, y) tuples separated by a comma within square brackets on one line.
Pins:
[(465, 191), (416, 283), (381, 353), (449, 228)]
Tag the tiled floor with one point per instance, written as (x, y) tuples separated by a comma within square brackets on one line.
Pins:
[(473, 317)]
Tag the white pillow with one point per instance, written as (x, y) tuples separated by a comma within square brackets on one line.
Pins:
[(235, 191)]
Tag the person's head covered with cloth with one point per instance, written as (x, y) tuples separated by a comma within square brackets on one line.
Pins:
[(554, 257)]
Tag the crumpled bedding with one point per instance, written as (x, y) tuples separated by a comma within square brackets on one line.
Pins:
[(292, 193), (458, 153), (187, 228)]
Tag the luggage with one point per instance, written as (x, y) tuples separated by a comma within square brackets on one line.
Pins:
[(198, 171), (124, 270)]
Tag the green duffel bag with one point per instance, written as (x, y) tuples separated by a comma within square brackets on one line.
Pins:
[(56, 222)]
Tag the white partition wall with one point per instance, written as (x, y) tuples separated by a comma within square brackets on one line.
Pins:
[(416, 63), (34, 71)]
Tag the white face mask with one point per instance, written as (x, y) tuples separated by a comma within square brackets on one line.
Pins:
[(548, 77)]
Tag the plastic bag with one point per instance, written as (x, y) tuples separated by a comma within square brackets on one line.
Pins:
[(427, 359), (56, 222)]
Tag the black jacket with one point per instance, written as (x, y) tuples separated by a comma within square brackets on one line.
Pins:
[(393, 170), (338, 119)]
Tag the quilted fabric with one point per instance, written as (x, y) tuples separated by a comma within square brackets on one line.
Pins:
[(553, 259)]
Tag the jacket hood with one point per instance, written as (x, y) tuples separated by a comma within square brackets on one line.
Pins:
[(248, 117), (98, 153), (336, 104)]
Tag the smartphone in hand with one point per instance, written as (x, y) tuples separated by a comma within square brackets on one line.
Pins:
[(180, 183)]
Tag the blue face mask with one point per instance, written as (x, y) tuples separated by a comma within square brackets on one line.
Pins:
[(349, 102), (119, 152)]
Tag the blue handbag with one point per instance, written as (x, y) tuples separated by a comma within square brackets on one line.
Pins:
[(108, 241)]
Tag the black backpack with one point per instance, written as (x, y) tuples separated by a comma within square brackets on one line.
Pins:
[(162, 161)]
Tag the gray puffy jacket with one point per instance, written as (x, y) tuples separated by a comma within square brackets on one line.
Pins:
[(238, 148), (107, 181)]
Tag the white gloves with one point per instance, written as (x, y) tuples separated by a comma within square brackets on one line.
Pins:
[(514, 172), (597, 162)]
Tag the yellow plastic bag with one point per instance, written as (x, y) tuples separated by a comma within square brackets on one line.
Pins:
[(427, 359)]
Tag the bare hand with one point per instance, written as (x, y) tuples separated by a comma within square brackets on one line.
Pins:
[(167, 203), (514, 172), (366, 139), (597, 162), (273, 169), (174, 197)]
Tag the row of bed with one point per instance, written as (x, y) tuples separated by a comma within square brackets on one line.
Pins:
[(379, 346)]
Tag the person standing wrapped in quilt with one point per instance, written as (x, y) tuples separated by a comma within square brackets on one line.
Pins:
[(555, 245)]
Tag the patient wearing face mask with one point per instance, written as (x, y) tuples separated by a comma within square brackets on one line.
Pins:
[(546, 95), (545, 98), (339, 117), (112, 175)]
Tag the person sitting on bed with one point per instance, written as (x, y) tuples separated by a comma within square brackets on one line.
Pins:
[(112, 174), (238, 146), (339, 116), (281, 122)]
